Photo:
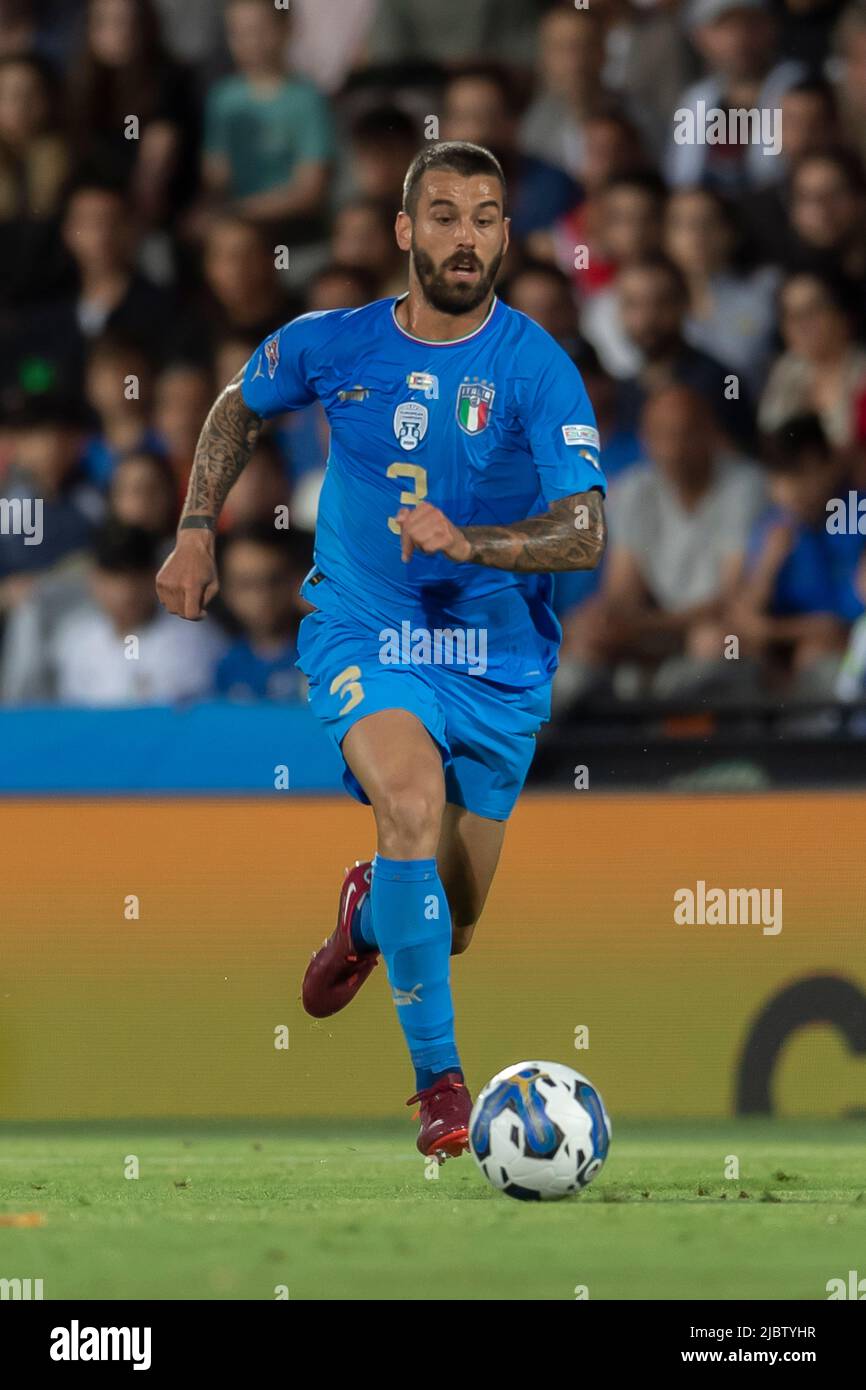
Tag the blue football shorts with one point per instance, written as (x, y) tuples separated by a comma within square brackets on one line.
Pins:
[(485, 731)]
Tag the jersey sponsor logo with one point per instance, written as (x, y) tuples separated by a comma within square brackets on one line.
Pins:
[(272, 353), (426, 382), (590, 458), (356, 393), (581, 434), (474, 403), (410, 424)]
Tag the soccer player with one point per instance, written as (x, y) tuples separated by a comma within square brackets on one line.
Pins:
[(463, 472)]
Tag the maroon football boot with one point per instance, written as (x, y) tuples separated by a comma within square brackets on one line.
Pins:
[(445, 1110), (338, 969)]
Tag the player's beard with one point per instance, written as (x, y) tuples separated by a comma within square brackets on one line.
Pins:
[(453, 298)]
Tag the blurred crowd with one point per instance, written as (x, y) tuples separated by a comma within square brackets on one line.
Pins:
[(180, 177)]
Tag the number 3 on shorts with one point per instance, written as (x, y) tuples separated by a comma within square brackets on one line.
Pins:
[(347, 683), (408, 499)]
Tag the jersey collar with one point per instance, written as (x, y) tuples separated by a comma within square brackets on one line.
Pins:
[(452, 342)]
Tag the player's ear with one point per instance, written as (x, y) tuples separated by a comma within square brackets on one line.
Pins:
[(506, 231), (403, 231)]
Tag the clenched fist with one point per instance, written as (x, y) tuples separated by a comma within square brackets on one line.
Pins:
[(188, 580), (427, 529)]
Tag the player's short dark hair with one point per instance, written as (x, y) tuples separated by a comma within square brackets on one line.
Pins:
[(792, 447), (458, 156), (122, 549)]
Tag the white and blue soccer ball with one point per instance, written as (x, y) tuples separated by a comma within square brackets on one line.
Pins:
[(539, 1131)]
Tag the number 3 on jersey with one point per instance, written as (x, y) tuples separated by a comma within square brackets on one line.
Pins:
[(408, 499), (348, 687)]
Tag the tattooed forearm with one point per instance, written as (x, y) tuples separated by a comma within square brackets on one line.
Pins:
[(224, 448), (570, 536)]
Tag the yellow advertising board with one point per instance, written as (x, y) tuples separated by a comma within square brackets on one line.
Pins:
[(693, 955)]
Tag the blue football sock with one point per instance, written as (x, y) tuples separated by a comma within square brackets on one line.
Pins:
[(412, 923), (361, 927)]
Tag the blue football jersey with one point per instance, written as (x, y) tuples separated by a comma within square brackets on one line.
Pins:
[(491, 428)]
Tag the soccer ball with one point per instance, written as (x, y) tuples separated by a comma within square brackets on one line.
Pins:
[(539, 1131)]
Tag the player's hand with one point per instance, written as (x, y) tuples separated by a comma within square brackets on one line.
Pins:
[(427, 529), (188, 580)]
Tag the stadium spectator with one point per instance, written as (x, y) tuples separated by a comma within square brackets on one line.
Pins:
[(810, 126), (260, 573), (364, 236), (810, 119), (383, 141), (653, 304), (269, 139), (184, 394), (480, 105), (800, 596), (623, 226), (120, 647), (193, 30), (737, 40), (328, 37), (244, 293), (34, 158), (731, 313), (338, 286), (452, 31), (849, 72), (43, 27), (570, 62), (34, 163), (261, 493), (679, 527), (123, 73), (613, 151), (143, 494), (827, 212), (544, 294), (45, 488), (111, 295), (823, 368), (806, 28), (119, 390), (648, 62)]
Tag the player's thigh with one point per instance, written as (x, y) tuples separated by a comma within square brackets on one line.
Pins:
[(399, 766), (469, 849)]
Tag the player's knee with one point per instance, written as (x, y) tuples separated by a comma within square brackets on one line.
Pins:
[(409, 819)]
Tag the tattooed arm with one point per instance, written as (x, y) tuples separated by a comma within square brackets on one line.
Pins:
[(227, 440), (188, 580), (571, 535)]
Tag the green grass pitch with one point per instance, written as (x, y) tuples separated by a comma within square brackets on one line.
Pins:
[(331, 1211)]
